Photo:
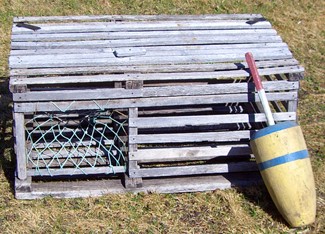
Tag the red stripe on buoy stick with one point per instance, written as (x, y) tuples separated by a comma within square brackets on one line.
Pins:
[(253, 69), (259, 87)]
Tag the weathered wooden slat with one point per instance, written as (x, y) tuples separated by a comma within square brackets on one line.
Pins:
[(76, 171), (195, 169), (133, 131), (148, 77), (142, 53), (20, 145), (85, 94), (188, 153), (73, 189), (65, 124), (154, 49), (135, 17), (148, 102), (43, 62), (172, 91), (65, 127), (53, 128), (72, 153), (202, 128), (134, 35), (190, 137), (148, 68), (68, 163), (141, 26), (181, 121), (150, 52), (220, 109), (216, 89), (161, 41), (77, 143)]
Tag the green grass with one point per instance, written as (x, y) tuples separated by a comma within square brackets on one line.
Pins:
[(300, 23)]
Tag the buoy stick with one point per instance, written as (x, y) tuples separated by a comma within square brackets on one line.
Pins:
[(259, 87)]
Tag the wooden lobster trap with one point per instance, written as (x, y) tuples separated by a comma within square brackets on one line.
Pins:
[(142, 103)]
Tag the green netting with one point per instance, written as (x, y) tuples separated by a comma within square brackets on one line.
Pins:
[(76, 140)]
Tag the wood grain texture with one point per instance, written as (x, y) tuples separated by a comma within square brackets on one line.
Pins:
[(171, 91), (181, 121), (50, 61), (195, 169), (159, 41), (141, 26), (189, 153), (137, 35), (195, 76), (149, 68), (76, 171), (136, 17), (132, 181), (149, 102), (159, 49), (156, 185), (20, 146), (190, 137)]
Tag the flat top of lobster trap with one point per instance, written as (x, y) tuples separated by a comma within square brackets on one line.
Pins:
[(110, 48)]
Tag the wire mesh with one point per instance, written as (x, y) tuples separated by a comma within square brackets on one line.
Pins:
[(76, 140)]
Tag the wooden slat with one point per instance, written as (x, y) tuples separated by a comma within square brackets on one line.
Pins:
[(195, 169), (220, 109), (68, 163), (190, 137), (73, 189), (76, 171), (188, 153), (181, 121), (205, 128), (79, 153), (137, 35), (135, 17), (44, 62), (149, 77), (143, 53), (78, 143), (172, 91), (190, 49), (84, 94), (184, 90), (20, 145), (133, 131), (147, 68), (206, 50), (148, 102), (142, 26), (161, 41), (140, 52)]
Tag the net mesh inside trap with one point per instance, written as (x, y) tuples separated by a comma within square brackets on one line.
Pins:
[(77, 141)]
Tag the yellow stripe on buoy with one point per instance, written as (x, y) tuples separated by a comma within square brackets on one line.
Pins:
[(282, 157)]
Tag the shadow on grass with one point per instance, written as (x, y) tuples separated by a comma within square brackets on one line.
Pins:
[(252, 187), (7, 155), (259, 196)]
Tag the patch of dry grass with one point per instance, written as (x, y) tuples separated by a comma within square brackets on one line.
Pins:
[(301, 25)]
